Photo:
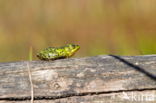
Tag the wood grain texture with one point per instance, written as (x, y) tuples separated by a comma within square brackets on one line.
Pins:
[(98, 79)]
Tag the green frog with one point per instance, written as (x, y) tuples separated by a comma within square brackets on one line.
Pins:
[(53, 53)]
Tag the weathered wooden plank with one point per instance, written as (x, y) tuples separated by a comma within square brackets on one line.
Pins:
[(78, 77)]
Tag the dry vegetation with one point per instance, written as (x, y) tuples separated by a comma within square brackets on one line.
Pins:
[(125, 27)]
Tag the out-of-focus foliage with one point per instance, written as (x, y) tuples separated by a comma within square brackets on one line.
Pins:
[(119, 27)]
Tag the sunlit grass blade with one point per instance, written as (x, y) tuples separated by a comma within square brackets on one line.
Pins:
[(30, 53)]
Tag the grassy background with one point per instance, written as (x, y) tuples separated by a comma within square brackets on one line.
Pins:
[(119, 27)]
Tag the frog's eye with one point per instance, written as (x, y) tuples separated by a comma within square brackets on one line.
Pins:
[(73, 46)]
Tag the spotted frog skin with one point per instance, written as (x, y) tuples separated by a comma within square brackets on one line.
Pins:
[(53, 53)]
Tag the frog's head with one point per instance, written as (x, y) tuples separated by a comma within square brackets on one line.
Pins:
[(71, 49)]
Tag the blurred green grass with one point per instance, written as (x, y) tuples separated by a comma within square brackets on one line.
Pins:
[(121, 27)]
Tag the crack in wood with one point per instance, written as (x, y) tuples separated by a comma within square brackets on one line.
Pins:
[(72, 95)]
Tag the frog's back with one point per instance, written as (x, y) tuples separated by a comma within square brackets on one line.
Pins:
[(55, 53), (50, 49)]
